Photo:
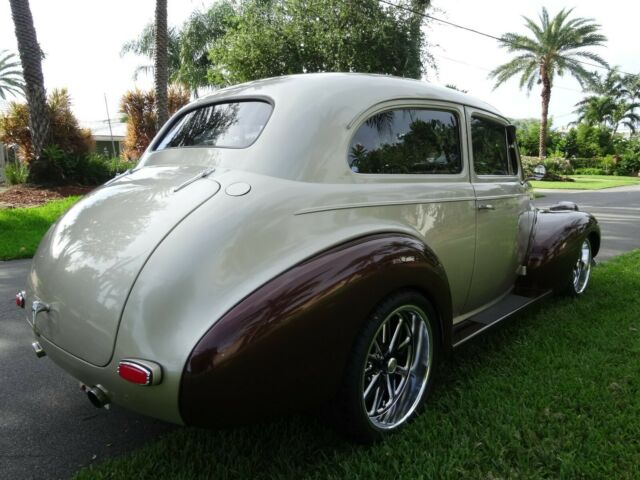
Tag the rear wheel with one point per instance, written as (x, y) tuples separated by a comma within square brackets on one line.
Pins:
[(581, 272), (391, 366)]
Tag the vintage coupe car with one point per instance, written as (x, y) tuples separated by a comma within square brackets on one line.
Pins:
[(299, 241)]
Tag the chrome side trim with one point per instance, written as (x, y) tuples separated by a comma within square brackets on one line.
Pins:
[(203, 174), (347, 206)]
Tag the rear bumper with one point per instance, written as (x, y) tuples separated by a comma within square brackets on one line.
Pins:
[(146, 400)]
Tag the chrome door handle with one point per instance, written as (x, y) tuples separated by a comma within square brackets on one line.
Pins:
[(486, 206)]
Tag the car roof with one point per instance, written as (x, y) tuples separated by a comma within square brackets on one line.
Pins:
[(315, 116), (368, 89)]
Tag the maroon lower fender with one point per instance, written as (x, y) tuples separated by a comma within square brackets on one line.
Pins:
[(285, 346), (556, 241)]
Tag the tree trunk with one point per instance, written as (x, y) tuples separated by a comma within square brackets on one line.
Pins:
[(546, 97), (418, 7), (31, 59), (160, 62)]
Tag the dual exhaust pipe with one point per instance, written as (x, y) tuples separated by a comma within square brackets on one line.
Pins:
[(97, 395)]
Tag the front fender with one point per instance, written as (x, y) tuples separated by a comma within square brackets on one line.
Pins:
[(556, 240), (285, 346)]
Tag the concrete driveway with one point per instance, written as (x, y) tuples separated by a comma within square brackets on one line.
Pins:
[(48, 428), (617, 211)]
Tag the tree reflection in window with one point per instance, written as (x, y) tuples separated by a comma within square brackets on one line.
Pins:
[(407, 141), (489, 144), (225, 125)]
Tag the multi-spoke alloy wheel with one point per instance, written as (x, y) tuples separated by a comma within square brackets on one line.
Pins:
[(582, 269), (397, 367), (389, 371)]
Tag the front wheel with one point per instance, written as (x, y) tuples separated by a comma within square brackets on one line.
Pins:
[(579, 278), (390, 370)]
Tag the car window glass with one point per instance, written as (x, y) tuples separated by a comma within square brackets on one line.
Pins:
[(224, 125), (489, 145), (407, 141)]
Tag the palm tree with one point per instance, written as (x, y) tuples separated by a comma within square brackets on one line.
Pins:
[(557, 46), (161, 72), (31, 59), (612, 104), (11, 81)]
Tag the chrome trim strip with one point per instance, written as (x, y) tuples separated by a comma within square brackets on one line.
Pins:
[(347, 206), (498, 197), (203, 174)]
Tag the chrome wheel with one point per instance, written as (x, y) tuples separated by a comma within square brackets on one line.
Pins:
[(582, 268), (397, 367)]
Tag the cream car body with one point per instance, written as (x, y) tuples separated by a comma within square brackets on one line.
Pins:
[(144, 266)]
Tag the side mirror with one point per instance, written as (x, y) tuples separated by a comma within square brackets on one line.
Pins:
[(539, 172)]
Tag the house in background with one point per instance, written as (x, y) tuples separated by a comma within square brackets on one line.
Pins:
[(107, 139)]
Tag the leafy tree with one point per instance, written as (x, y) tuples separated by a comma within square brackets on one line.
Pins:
[(31, 60), (556, 46), (11, 81), (280, 37), (161, 72), (188, 46)]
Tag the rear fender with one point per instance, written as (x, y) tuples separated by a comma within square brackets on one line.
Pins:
[(285, 346)]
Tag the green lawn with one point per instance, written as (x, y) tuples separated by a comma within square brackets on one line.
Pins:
[(589, 182), (553, 394), (21, 229)]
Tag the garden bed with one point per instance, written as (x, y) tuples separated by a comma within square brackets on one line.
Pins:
[(31, 196)]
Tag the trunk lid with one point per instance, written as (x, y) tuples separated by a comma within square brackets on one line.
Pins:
[(88, 261)]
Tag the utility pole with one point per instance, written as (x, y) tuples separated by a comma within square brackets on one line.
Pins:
[(113, 143)]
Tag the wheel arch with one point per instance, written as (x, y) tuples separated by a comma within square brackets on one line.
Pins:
[(297, 329)]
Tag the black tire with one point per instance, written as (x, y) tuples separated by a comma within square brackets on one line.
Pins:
[(578, 278), (404, 370)]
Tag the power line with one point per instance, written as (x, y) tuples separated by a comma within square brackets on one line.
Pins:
[(488, 70), (488, 35)]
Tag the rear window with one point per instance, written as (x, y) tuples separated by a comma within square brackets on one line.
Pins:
[(222, 125)]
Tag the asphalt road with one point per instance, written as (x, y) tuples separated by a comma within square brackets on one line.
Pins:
[(48, 429), (617, 211)]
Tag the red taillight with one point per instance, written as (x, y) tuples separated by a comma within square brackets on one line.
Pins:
[(135, 373), (20, 299)]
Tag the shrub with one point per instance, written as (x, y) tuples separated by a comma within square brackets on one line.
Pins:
[(629, 164), (558, 166), (86, 169), (64, 130), (16, 173), (139, 109)]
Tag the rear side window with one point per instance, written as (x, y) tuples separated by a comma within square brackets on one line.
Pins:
[(223, 125), (490, 148), (407, 141)]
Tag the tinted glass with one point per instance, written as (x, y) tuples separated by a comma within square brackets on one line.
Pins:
[(407, 141), (226, 125), (489, 143)]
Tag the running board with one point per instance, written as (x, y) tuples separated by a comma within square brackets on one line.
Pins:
[(505, 308)]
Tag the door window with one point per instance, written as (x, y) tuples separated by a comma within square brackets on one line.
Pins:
[(490, 148)]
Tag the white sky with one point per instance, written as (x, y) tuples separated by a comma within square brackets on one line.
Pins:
[(82, 41)]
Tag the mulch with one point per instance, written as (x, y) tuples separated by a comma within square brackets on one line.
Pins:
[(31, 196)]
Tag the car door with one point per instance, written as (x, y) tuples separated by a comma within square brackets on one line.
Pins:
[(501, 201)]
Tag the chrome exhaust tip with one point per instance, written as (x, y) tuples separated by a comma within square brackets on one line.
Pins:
[(97, 395), (37, 348)]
